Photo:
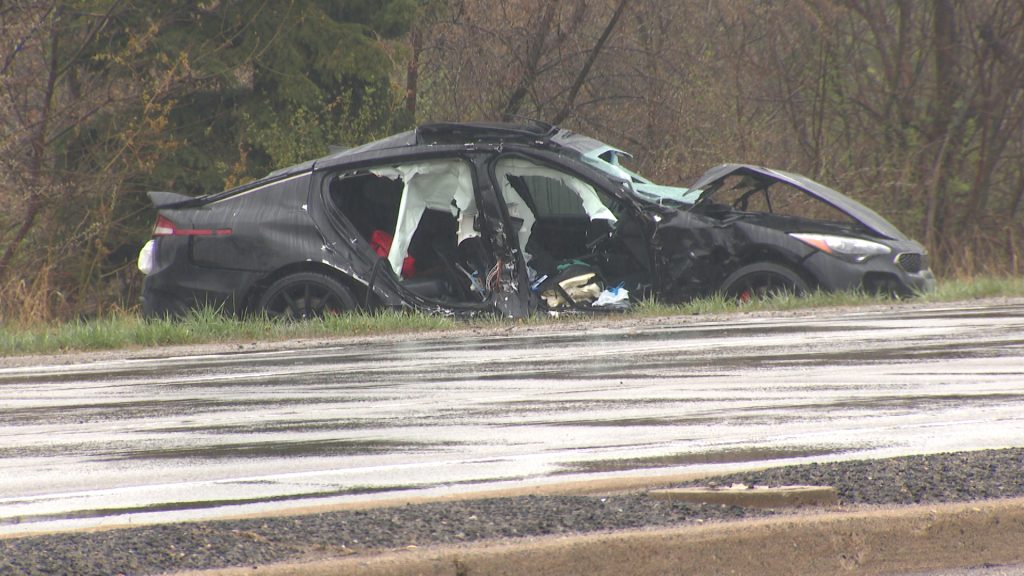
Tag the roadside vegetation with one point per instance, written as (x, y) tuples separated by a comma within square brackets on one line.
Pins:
[(121, 330), (913, 108)]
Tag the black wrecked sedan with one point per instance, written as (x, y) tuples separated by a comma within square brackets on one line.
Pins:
[(511, 219)]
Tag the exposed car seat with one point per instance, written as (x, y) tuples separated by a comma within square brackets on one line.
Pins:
[(435, 249)]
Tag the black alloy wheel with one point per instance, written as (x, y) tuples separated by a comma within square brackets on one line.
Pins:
[(761, 281), (306, 295)]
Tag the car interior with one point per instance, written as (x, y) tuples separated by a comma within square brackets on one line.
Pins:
[(433, 263), (561, 219)]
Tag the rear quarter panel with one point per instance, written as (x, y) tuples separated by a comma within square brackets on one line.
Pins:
[(270, 228)]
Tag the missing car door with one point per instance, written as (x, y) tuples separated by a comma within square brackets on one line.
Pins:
[(422, 218), (567, 222)]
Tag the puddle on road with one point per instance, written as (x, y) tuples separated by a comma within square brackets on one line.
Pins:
[(729, 456), (126, 451), (872, 354), (198, 504), (256, 450), (919, 403), (292, 426), (710, 363), (98, 412)]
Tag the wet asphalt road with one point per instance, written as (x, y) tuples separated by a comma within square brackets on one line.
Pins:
[(136, 441)]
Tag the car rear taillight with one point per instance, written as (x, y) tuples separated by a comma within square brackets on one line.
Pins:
[(165, 227)]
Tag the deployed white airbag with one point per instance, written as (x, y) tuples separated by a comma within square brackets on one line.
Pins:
[(592, 205), (443, 185)]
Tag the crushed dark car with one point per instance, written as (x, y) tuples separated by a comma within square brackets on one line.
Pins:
[(464, 218)]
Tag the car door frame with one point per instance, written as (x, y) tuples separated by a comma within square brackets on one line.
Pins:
[(347, 251), (588, 174)]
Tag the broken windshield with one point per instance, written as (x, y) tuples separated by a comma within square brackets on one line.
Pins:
[(607, 158)]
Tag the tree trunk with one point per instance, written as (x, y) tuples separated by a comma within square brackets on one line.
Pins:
[(412, 72), (944, 44), (581, 78), (38, 145), (532, 68)]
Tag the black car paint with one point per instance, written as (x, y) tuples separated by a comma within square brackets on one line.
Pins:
[(879, 273), (282, 224)]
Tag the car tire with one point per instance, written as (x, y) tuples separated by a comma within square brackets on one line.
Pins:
[(762, 280), (306, 295)]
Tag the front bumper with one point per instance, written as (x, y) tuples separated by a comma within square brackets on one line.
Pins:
[(900, 273)]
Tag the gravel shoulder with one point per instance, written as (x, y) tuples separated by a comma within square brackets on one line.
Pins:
[(933, 480)]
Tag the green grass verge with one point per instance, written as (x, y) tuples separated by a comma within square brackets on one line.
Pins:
[(947, 291), (207, 326), (200, 327)]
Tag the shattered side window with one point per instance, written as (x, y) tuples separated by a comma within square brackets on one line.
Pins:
[(789, 201), (547, 191), (555, 211), (368, 201), (552, 197)]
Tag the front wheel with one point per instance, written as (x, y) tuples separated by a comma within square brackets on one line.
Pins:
[(761, 281), (306, 295)]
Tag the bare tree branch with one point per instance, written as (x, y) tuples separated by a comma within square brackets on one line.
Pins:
[(534, 54), (581, 78)]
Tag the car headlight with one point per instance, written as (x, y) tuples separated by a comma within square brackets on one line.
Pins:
[(854, 249)]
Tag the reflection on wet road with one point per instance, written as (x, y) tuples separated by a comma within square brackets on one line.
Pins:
[(145, 440)]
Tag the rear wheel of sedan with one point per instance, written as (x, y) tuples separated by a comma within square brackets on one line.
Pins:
[(761, 281), (306, 295)]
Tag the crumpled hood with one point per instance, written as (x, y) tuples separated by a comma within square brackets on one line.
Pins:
[(849, 206)]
